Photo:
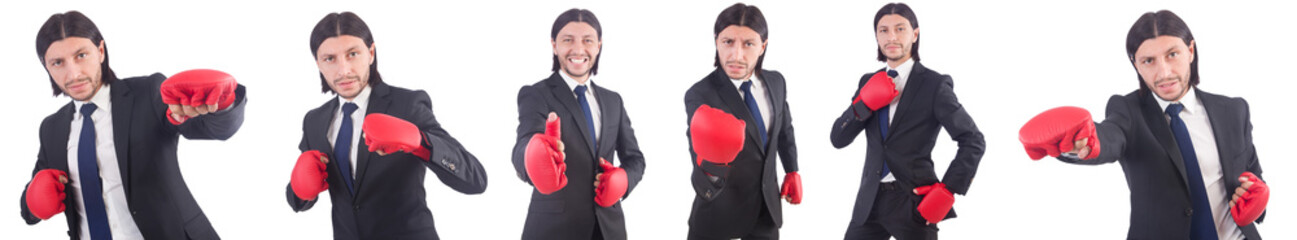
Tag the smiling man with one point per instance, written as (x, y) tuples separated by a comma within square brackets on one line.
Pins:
[(369, 146), (569, 129), (1188, 155), (739, 122), (109, 157)]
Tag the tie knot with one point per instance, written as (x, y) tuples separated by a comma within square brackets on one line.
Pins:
[(88, 108), (746, 85), (349, 108), (892, 73), (580, 90), (1174, 109)]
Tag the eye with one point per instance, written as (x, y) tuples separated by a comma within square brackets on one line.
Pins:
[(589, 41), (328, 59), (56, 63), (1146, 61), (900, 29), (748, 44), (81, 55), (727, 41), (353, 54), (567, 40), (1173, 54)]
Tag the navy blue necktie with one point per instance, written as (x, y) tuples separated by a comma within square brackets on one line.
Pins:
[(883, 122), (91, 186), (589, 119), (342, 146), (756, 111), (1201, 226)]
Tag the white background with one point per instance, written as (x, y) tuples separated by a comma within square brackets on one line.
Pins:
[(1010, 60)]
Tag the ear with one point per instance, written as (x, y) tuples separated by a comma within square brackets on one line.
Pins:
[(1192, 50), (554, 45), (763, 47), (916, 35), (102, 51), (372, 51)]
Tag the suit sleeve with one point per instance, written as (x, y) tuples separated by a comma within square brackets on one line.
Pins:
[(453, 164), (788, 142), (708, 179), (220, 125), (848, 126), (1253, 164), (1112, 134), (298, 204), (532, 112), (22, 200), (632, 160), (961, 128)]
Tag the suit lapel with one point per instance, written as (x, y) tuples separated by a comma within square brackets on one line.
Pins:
[(378, 103), (58, 158), (610, 116), (123, 109), (733, 101), (774, 89), (903, 107), (1219, 127), (317, 134), (567, 98), (1157, 123)]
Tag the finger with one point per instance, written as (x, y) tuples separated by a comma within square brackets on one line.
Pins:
[(63, 179), (382, 153), (189, 111), (176, 110), (212, 108), (201, 109), (1247, 185), (561, 147)]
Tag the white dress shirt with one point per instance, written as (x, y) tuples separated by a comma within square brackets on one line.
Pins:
[(762, 98), (589, 96), (357, 120), (120, 221), (1204, 145), (902, 77)]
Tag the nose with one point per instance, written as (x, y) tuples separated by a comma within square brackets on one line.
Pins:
[(344, 69), (72, 72), (1162, 69)]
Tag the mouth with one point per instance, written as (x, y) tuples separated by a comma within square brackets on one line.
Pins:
[(735, 67), (578, 60), (78, 85), (1168, 86), (346, 84)]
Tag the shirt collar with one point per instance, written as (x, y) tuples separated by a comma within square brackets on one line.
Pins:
[(361, 100), (756, 81), (1190, 101), (101, 100), (903, 70), (572, 84)]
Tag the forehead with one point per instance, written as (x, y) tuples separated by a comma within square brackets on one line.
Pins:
[(340, 43), (891, 20), (68, 46), (577, 29), (736, 31), (1159, 45)]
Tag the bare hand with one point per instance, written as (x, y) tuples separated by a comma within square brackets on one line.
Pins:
[(596, 180), (182, 112), (1242, 189)]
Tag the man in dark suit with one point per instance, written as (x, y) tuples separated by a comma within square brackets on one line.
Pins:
[(740, 198), (376, 192), (113, 148), (903, 107), (1188, 155), (589, 124)]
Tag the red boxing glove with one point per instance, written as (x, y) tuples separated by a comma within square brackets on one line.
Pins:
[(792, 189), (545, 166), (1252, 203), (45, 193), (716, 136), (612, 184), (877, 92), (309, 175), (388, 134), (1056, 131), (936, 204), (197, 88)]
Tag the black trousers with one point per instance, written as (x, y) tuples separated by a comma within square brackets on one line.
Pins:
[(894, 214), (764, 229)]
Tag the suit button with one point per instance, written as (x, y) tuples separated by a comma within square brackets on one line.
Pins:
[(357, 207), (1188, 212), (708, 194)]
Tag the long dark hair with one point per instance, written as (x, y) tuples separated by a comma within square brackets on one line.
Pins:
[(908, 14), (1155, 24), (338, 24), (71, 24), (742, 15)]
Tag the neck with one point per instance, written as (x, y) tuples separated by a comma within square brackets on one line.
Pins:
[(579, 79), (893, 63)]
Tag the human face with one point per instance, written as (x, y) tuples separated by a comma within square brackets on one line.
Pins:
[(577, 48), (895, 38), (739, 48), (1164, 63), (344, 61), (74, 63)]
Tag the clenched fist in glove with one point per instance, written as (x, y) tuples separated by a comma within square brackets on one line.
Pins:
[(877, 92), (716, 136), (196, 92), (386, 134), (936, 203), (1058, 131), (45, 193), (610, 185), (309, 175), (1249, 199), (792, 190), (544, 157)]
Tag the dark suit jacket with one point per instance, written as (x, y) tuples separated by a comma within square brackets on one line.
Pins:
[(927, 104), (570, 213), (156, 194), (730, 203), (1137, 134), (390, 202)]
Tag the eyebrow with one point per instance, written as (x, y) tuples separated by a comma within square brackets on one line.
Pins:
[(78, 51)]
